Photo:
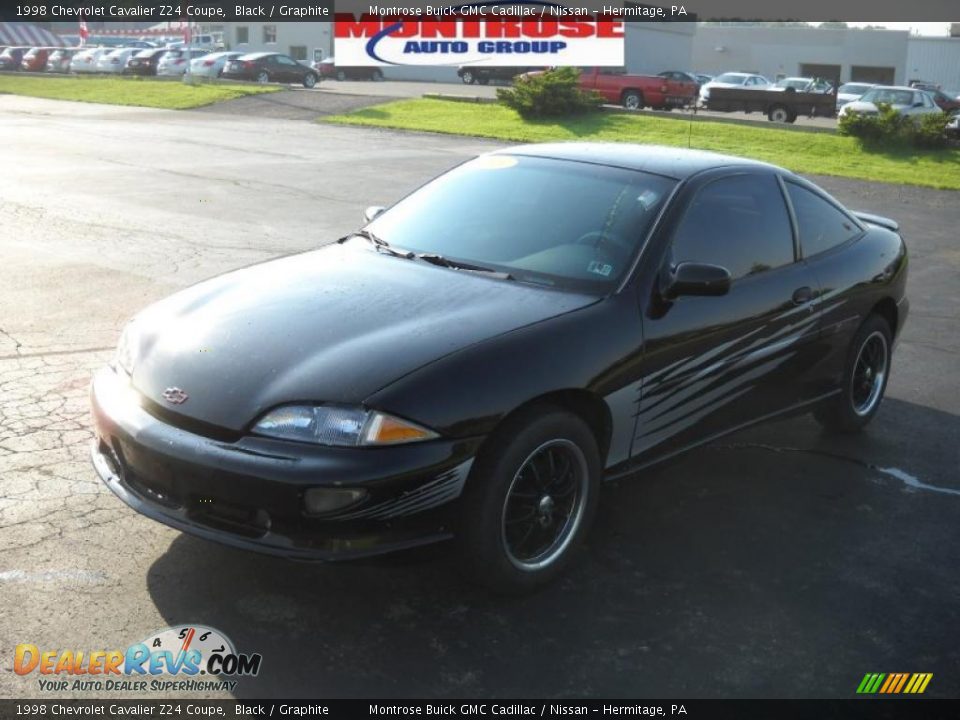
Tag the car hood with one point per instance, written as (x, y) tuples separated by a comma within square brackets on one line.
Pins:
[(712, 84), (332, 325), (848, 97), (861, 106)]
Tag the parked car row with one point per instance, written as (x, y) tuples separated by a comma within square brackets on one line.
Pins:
[(261, 67)]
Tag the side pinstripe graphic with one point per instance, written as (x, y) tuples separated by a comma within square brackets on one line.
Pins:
[(442, 489), (677, 396)]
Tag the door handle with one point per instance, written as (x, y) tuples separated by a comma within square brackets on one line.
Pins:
[(802, 295)]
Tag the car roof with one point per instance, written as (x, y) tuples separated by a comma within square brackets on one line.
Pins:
[(673, 162), (254, 55)]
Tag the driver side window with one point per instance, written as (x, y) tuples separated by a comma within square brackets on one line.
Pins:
[(739, 223)]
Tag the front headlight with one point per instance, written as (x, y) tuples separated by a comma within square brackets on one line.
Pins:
[(339, 426), (128, 348)]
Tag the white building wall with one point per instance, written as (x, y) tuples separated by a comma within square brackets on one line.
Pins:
[(781, 51), (936, 60), (654, 47), (312, 35)]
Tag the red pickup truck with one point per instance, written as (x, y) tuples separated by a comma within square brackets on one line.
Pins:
[(637, 91)]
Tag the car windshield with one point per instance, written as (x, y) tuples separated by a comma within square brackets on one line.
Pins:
[(567, 224), (889, 96), (730, 78), (852, 89), (795, 83)]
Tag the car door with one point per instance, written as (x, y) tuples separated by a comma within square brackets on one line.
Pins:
[(288, 69), (713, 363), (828, 238)]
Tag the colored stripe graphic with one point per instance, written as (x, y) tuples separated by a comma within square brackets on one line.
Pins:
[(894, 683)]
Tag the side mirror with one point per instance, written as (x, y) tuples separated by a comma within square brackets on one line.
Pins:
[(689, 278), (371, 212)]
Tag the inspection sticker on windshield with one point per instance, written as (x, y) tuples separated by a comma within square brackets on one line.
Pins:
[(599, 268)]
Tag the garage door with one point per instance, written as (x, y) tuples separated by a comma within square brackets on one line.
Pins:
[(827, 72), (872, 74)]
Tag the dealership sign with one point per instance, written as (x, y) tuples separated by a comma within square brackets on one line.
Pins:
[(491, 34)]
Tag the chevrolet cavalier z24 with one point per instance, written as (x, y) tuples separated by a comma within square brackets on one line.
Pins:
[(476, 360)]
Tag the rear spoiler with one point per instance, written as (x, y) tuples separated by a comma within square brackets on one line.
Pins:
[(878, 220)]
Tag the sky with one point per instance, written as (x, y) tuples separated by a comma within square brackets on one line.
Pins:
[(921, 28)]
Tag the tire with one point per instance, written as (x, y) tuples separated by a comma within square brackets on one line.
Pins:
[(468, 77), (341, 75), (263, 77), (865, 376), (779, 114), (309, 80), (633, 100), (506, 550), (376, 75)]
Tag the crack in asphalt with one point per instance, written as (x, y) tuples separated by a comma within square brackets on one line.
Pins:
[(16, 343), (901, 475)]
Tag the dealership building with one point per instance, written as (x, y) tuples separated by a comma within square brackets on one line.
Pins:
[(878, 56)]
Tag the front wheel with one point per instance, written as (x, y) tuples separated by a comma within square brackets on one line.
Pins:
[(309, 80), (530, 500), (864, 379), (632, 100), (468, 78)]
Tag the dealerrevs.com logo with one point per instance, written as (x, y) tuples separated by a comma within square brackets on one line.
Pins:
[(494, 34), (184, 658)]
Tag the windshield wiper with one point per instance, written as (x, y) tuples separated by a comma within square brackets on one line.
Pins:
[(446, 262), (380, 244)]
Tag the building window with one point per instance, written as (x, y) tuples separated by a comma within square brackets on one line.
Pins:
[(243, 34), (269, 33), (298, 52)]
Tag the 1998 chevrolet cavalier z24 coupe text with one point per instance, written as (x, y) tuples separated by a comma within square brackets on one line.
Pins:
[(477, 359)]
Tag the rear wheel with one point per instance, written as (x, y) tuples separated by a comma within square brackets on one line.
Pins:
[(341, 75), (530, 500), (779, 114), (633, 100), (864, 379), (263, 77)]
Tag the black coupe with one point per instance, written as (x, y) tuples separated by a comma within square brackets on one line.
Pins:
[(266, 67), (476, 360)]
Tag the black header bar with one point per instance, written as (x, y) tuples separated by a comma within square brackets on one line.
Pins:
[(220, 11), (483, 709)]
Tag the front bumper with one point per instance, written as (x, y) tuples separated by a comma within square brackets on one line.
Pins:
[(250, 493)]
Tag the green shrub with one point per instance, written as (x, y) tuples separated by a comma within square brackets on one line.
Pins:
[(552, 93), (931, 131), (890, 129)]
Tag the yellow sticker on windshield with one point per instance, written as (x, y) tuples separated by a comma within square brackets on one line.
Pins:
[(494, 162)]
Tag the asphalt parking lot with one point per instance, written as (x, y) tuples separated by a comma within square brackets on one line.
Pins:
[(777, 562)]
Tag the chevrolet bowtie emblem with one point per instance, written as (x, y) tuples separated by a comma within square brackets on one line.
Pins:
[(175, 395)]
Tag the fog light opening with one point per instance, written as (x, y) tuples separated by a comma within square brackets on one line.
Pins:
[(322, 501)]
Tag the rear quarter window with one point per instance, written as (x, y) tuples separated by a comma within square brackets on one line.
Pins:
[(822, 225)]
